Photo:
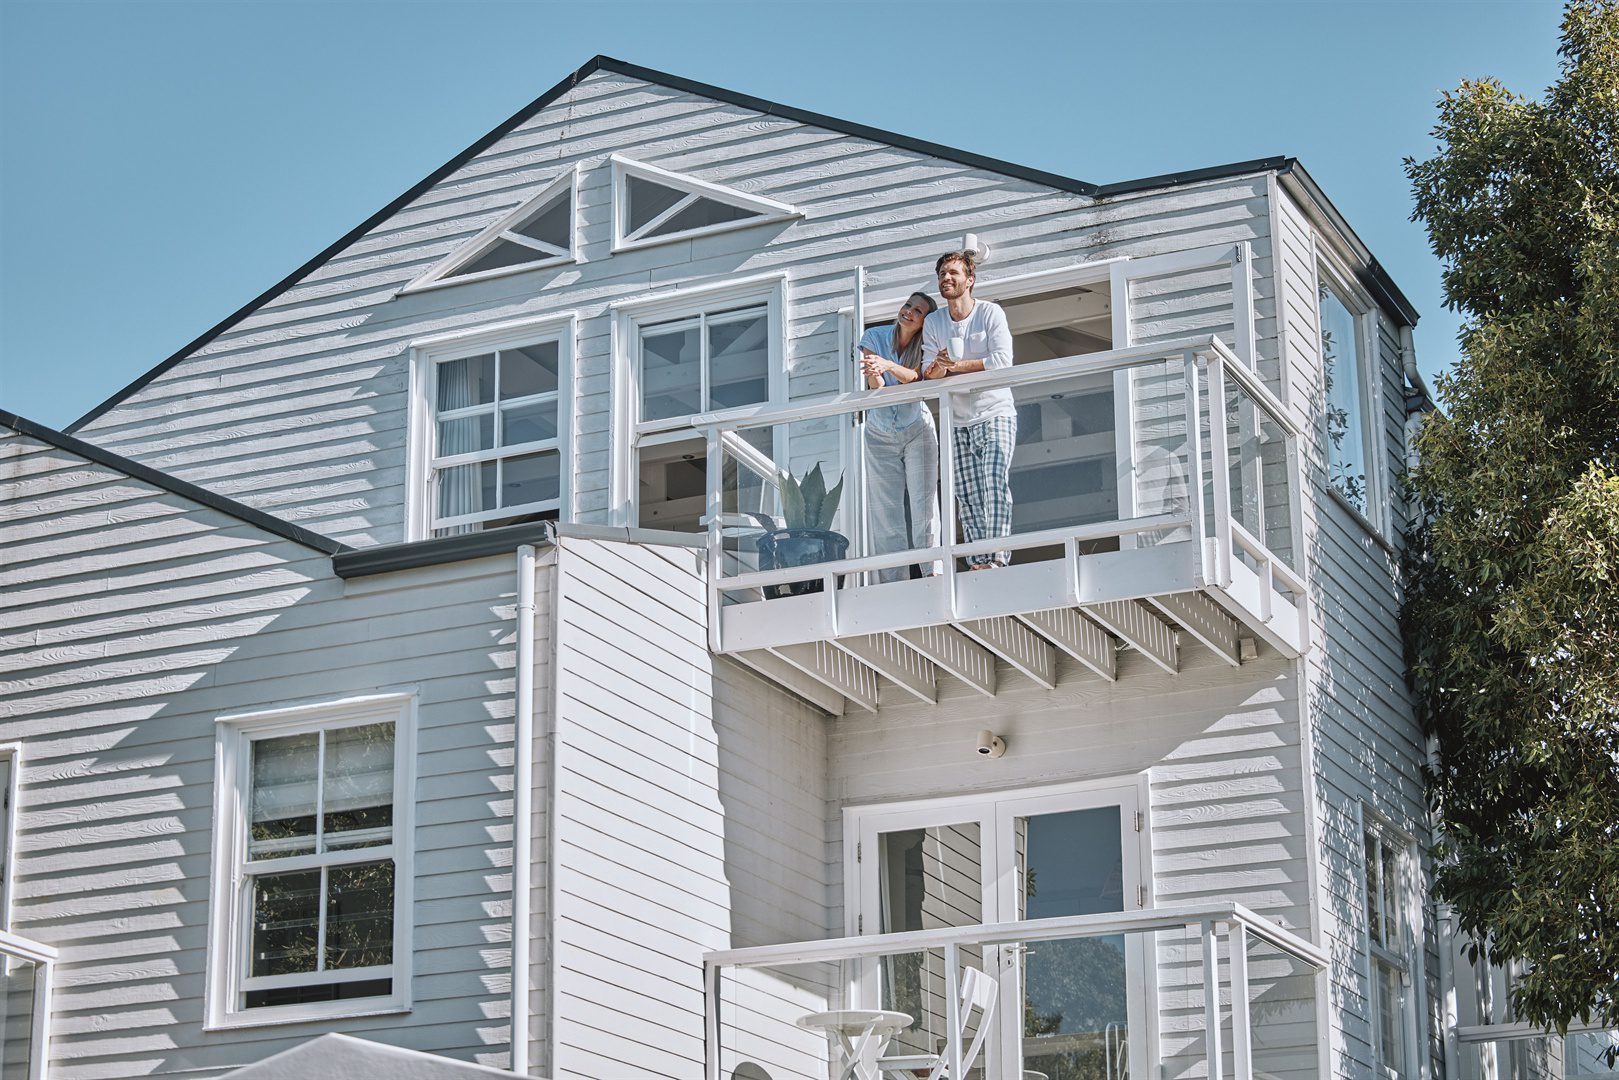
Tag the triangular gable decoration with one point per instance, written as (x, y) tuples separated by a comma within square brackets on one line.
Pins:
[(652, 205), (539, 232)]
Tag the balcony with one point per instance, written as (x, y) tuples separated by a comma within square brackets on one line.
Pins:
[(1108, 997), (1125, 533), (25, 1006)]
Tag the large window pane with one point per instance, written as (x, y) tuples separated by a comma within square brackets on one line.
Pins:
[(528, 423), (282, 805), (529, 370), (739, 361), (671, 372), (531, 478), (1346, 418), (466, 489), (359, 786), (503, 254), (552, 225), (702, 214), (359, 916), (286, 923), (467, 381), (466, 435), (647, 200)]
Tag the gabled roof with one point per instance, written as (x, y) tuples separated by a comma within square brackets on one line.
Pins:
[(172, 484), (1381, 283)]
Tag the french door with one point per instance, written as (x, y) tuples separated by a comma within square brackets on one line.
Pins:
[(1069, 1009)]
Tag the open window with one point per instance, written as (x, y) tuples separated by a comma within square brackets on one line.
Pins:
[(682, 357), (537, 233), (654, 206), (311, 906), (490, 447), (1347, 411), (1063, 470)]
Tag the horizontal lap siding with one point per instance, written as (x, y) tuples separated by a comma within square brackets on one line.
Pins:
[(301, 408), (690, 811), (115, 660), (1368, 749)]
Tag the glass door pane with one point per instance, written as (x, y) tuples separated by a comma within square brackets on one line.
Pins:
[(927, 878), (1073, 993)]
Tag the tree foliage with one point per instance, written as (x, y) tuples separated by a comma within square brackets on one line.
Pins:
[(1512, 615)]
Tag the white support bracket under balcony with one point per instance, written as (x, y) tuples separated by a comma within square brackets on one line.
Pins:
[(1141, 630), (956, 653), (1017, 645), (836, 669), (1205, 620), (895, 661), (1079, 637), (785, 675)]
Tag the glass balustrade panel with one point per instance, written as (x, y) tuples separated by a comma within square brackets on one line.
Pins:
[(17, 1003)]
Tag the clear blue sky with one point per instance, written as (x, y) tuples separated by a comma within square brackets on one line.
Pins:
[(161, 163)]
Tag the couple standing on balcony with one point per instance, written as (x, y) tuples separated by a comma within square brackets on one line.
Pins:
[(902, 447)]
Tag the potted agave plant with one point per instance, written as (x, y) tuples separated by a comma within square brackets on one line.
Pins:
[(802, 536)]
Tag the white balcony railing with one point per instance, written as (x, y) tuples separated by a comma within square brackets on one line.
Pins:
[(1208, 990), (25, 1006), (1116, 496)]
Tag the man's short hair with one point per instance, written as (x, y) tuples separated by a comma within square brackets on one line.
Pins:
[(967, 258)]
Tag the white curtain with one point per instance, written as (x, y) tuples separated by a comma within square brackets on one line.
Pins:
[(459, 489)]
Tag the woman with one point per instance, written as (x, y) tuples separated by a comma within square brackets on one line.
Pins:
[(902, 448)]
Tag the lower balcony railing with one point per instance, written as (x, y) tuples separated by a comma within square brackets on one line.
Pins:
[(25, 1007), (1208, 990), (1151, 489)]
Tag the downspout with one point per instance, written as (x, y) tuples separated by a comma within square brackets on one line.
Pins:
[(1417, 400), (522, 807)]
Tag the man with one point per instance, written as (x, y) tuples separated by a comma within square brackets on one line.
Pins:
[(985, 421)]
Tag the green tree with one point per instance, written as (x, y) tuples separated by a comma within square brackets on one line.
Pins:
[(1512, 615)]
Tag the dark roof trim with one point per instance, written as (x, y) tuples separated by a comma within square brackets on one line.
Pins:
[(1372, 275), (718, 93), (387, 558), (172, 484)]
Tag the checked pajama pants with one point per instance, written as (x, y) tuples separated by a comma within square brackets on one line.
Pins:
[(983, 461)]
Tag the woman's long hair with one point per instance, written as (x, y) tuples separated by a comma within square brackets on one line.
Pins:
[(912, 356)]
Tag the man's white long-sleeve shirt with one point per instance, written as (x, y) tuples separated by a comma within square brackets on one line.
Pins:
[(985, 336)]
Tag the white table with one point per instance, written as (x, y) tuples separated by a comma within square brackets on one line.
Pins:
[(861, 1035)]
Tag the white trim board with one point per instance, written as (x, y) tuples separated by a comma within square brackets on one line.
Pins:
[(762, 210), (439, 275)]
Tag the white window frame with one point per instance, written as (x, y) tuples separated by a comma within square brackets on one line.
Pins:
[(11, 753), (768, 210), (1332, 275), (995, 812), (1407, 962), (501, 229), (229, 918), (425, 356), (630, 434)]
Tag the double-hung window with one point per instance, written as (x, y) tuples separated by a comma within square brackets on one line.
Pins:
[(1349, 446), (311, 863), (496, 429), (1389, 947), (708, 354)]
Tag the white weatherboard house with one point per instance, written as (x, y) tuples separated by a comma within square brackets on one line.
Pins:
[(397, 660)]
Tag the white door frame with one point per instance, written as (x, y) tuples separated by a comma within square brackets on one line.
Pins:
[(996, 813)]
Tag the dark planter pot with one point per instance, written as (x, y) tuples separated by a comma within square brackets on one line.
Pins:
[(781, 548)]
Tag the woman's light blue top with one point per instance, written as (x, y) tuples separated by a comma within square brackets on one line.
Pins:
[(895, 418)]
